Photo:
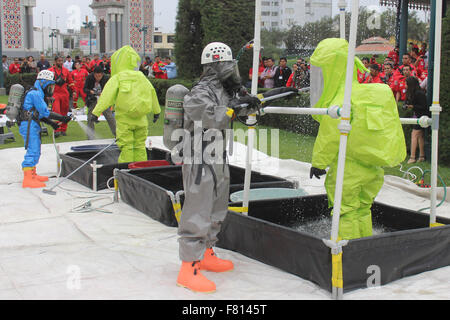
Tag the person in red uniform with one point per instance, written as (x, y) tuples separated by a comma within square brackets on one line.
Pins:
[(362, 76), (260, 70), (393, 54), (406, 61), (400, 83), (423, 49), (85, 64), (14, 67), (421, 69), (387, 76), (159, 74), (96, 62), (63, 80), (79, 76), (374, 76)]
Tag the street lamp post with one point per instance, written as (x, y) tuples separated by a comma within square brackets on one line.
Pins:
[(89, 25), (52, 35), (57, 38), (144, 29), (43, 44)]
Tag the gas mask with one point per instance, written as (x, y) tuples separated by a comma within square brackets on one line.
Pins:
[(228, 74), (316, 85), (49, 90)]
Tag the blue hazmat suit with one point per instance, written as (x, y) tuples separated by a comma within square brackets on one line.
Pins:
[(35, 103)]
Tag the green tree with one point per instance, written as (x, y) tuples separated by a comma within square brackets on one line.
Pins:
[(227, 21), (271, 43), (188, 38), (231, 22)]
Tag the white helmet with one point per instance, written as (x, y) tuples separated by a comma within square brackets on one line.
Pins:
[(46, 75), (215, 52)]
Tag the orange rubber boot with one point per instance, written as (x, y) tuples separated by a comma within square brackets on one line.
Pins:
[(190, 277), (211, 262), (29, 181), (39, 178)]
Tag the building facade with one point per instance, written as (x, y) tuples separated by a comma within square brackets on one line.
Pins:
[(17, 28), (122, 22), (283, 14), (163, 44)]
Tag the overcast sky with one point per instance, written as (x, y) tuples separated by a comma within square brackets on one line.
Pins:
[(73, 12), (70, 12)]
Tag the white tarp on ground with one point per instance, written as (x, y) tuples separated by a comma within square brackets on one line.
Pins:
[(48, 252)]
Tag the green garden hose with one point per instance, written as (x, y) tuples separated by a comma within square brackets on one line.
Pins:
[(445, 190)]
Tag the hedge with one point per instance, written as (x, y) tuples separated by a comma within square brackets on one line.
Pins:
[(25, 79), (161, 86)]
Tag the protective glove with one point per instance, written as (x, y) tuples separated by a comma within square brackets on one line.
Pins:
[(53, 124), (66, 119), (59, 117), (95, 118), (316, 172), (155, 117), (251, 101)]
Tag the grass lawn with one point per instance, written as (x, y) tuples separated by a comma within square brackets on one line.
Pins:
[(291, 146)]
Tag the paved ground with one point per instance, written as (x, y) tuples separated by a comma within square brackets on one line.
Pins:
[(49, 252)]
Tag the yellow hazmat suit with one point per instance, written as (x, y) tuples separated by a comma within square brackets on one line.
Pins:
[(134, 98), (376, 138)]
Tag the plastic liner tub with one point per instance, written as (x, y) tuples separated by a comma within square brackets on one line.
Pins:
[(97, 177), (153, 190), (274, 233)]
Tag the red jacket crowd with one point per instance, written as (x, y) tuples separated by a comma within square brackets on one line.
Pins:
[(394, 74)]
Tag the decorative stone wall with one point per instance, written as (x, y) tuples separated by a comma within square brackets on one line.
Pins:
[(123, 21), (17, 27)]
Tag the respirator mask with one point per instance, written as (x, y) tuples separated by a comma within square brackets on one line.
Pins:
[(49, 90), (228, 74)]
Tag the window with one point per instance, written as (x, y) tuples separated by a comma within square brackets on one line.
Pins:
[(289, 11), (274, 24), (170, 39), (157, 39), (274, 14), (265, 3), (275, 3), (308, 7), (265, 13), (289, 0)]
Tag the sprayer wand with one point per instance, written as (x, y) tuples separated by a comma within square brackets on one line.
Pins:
[(50, 191)]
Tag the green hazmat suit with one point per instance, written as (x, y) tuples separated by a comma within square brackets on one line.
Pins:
[(376, 139), (134, 97)]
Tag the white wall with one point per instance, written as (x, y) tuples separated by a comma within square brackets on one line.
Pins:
[(57, 42), (282, 14)]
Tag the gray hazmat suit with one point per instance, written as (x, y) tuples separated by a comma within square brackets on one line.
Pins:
[(206, 181)]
